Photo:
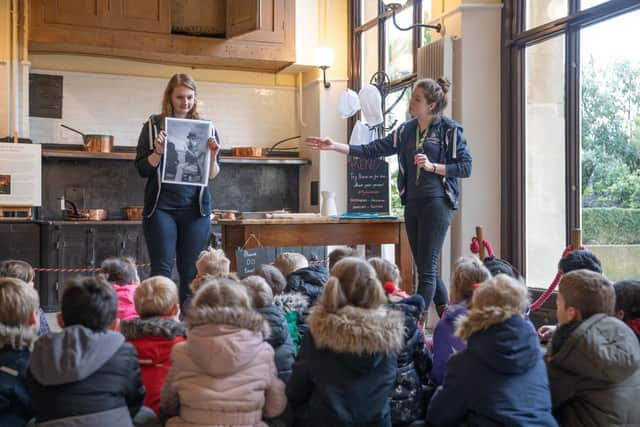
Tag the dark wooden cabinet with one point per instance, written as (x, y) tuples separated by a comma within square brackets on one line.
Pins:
[(73, 246)]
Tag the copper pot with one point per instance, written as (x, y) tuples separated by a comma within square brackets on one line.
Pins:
[(133, 213), (85, 215), (247, 151), (94, 143)]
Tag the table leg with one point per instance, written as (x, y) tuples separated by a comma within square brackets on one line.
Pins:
[(404, 260)]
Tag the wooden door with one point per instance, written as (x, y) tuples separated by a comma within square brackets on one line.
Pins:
[(243, 16), (272, 22), (150, 16), (86, 13)]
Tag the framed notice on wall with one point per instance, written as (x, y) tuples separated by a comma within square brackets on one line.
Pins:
[(20, 174)]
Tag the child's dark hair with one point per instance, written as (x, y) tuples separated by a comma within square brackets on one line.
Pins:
[(628, 298), (17, 269), (500, 266), (580, 260), (90, 302), (273, 276), (120, 270), (339, 253)]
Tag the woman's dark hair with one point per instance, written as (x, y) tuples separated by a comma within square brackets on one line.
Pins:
[(628, 298), (90, 302), (435, 91), (580, 260)]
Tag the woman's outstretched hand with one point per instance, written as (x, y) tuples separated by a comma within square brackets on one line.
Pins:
[(319, 143)]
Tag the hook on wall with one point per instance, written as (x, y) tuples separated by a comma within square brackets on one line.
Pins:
[(394, 7)]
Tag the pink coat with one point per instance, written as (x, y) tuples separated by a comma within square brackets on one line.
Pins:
[(126, 306), (224, 374)]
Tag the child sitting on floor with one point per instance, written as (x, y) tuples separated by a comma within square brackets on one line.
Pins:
[(224, 374), (467, 273), (628, 303), (593, 358), (262, 300), (500, 378), (155, 333), (22, 270), (122, 273), (18, 328)]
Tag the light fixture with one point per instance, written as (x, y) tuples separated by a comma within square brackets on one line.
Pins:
[(394, 7), (325, 58)]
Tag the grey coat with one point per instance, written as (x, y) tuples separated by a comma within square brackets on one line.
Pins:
[(595, 376)]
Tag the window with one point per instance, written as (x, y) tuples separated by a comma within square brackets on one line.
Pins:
[(379, 47), (571, 133)]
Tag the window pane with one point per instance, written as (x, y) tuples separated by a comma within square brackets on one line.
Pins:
[(540, 12), (586, 4), (369, 10), (399, 46), (369, 56), (545, 160), (426, 16), (397, 114), (610, 150)]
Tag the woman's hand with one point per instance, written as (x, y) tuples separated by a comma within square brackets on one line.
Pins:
[(213, 145), (423, 162), (158, 144), (319, 143)]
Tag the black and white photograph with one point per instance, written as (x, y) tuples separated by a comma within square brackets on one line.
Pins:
[(186, 158)]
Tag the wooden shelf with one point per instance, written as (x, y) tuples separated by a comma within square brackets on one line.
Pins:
[(125, 155)]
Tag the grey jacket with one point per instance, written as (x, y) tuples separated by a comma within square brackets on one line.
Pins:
[(595, 376)]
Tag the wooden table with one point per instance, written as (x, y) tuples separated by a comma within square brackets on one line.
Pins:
[(320, 231)]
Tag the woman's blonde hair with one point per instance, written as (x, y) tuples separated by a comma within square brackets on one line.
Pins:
[(386, 270), (467, 272), (155, 296), (18, 300), (493, 302), (353, 281), (175, 81), (213, 262)]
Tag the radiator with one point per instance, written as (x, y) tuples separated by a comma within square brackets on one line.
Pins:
[(436, 60)]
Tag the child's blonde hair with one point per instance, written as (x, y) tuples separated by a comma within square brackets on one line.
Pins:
[(386, 270), (353, 281), (259, 291), (273, 276), (207, 279), (288, 262), (120, 270), (18, 301), (155, 296), (467, 272), (17, 269), (493, 302), (338, 253), (214, 262)]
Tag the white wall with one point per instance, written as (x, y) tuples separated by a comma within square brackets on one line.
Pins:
[(245, 115)]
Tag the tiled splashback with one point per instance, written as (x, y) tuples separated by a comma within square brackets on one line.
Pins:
[(118, 105)]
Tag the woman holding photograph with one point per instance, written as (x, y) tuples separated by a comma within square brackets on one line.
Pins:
[(176, 220)]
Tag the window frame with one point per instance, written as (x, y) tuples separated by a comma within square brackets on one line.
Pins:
[(514, 40)]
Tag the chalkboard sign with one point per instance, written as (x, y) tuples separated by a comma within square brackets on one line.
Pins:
[(248, 259), (368, 185)]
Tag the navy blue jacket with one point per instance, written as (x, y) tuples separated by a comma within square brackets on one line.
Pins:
[(15, 403), (280, 340), (402, 141), (154, 174), (498, 380)]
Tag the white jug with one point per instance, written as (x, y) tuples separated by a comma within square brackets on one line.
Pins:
[(328, 203)]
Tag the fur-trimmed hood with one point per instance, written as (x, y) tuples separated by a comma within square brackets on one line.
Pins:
[(163, 327), (224, 340), (232, 316), (17, 337), (292, 301), (481, 319), (357, 330)]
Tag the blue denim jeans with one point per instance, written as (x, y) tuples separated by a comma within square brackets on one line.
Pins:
[(179, 234), (427, 222)]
